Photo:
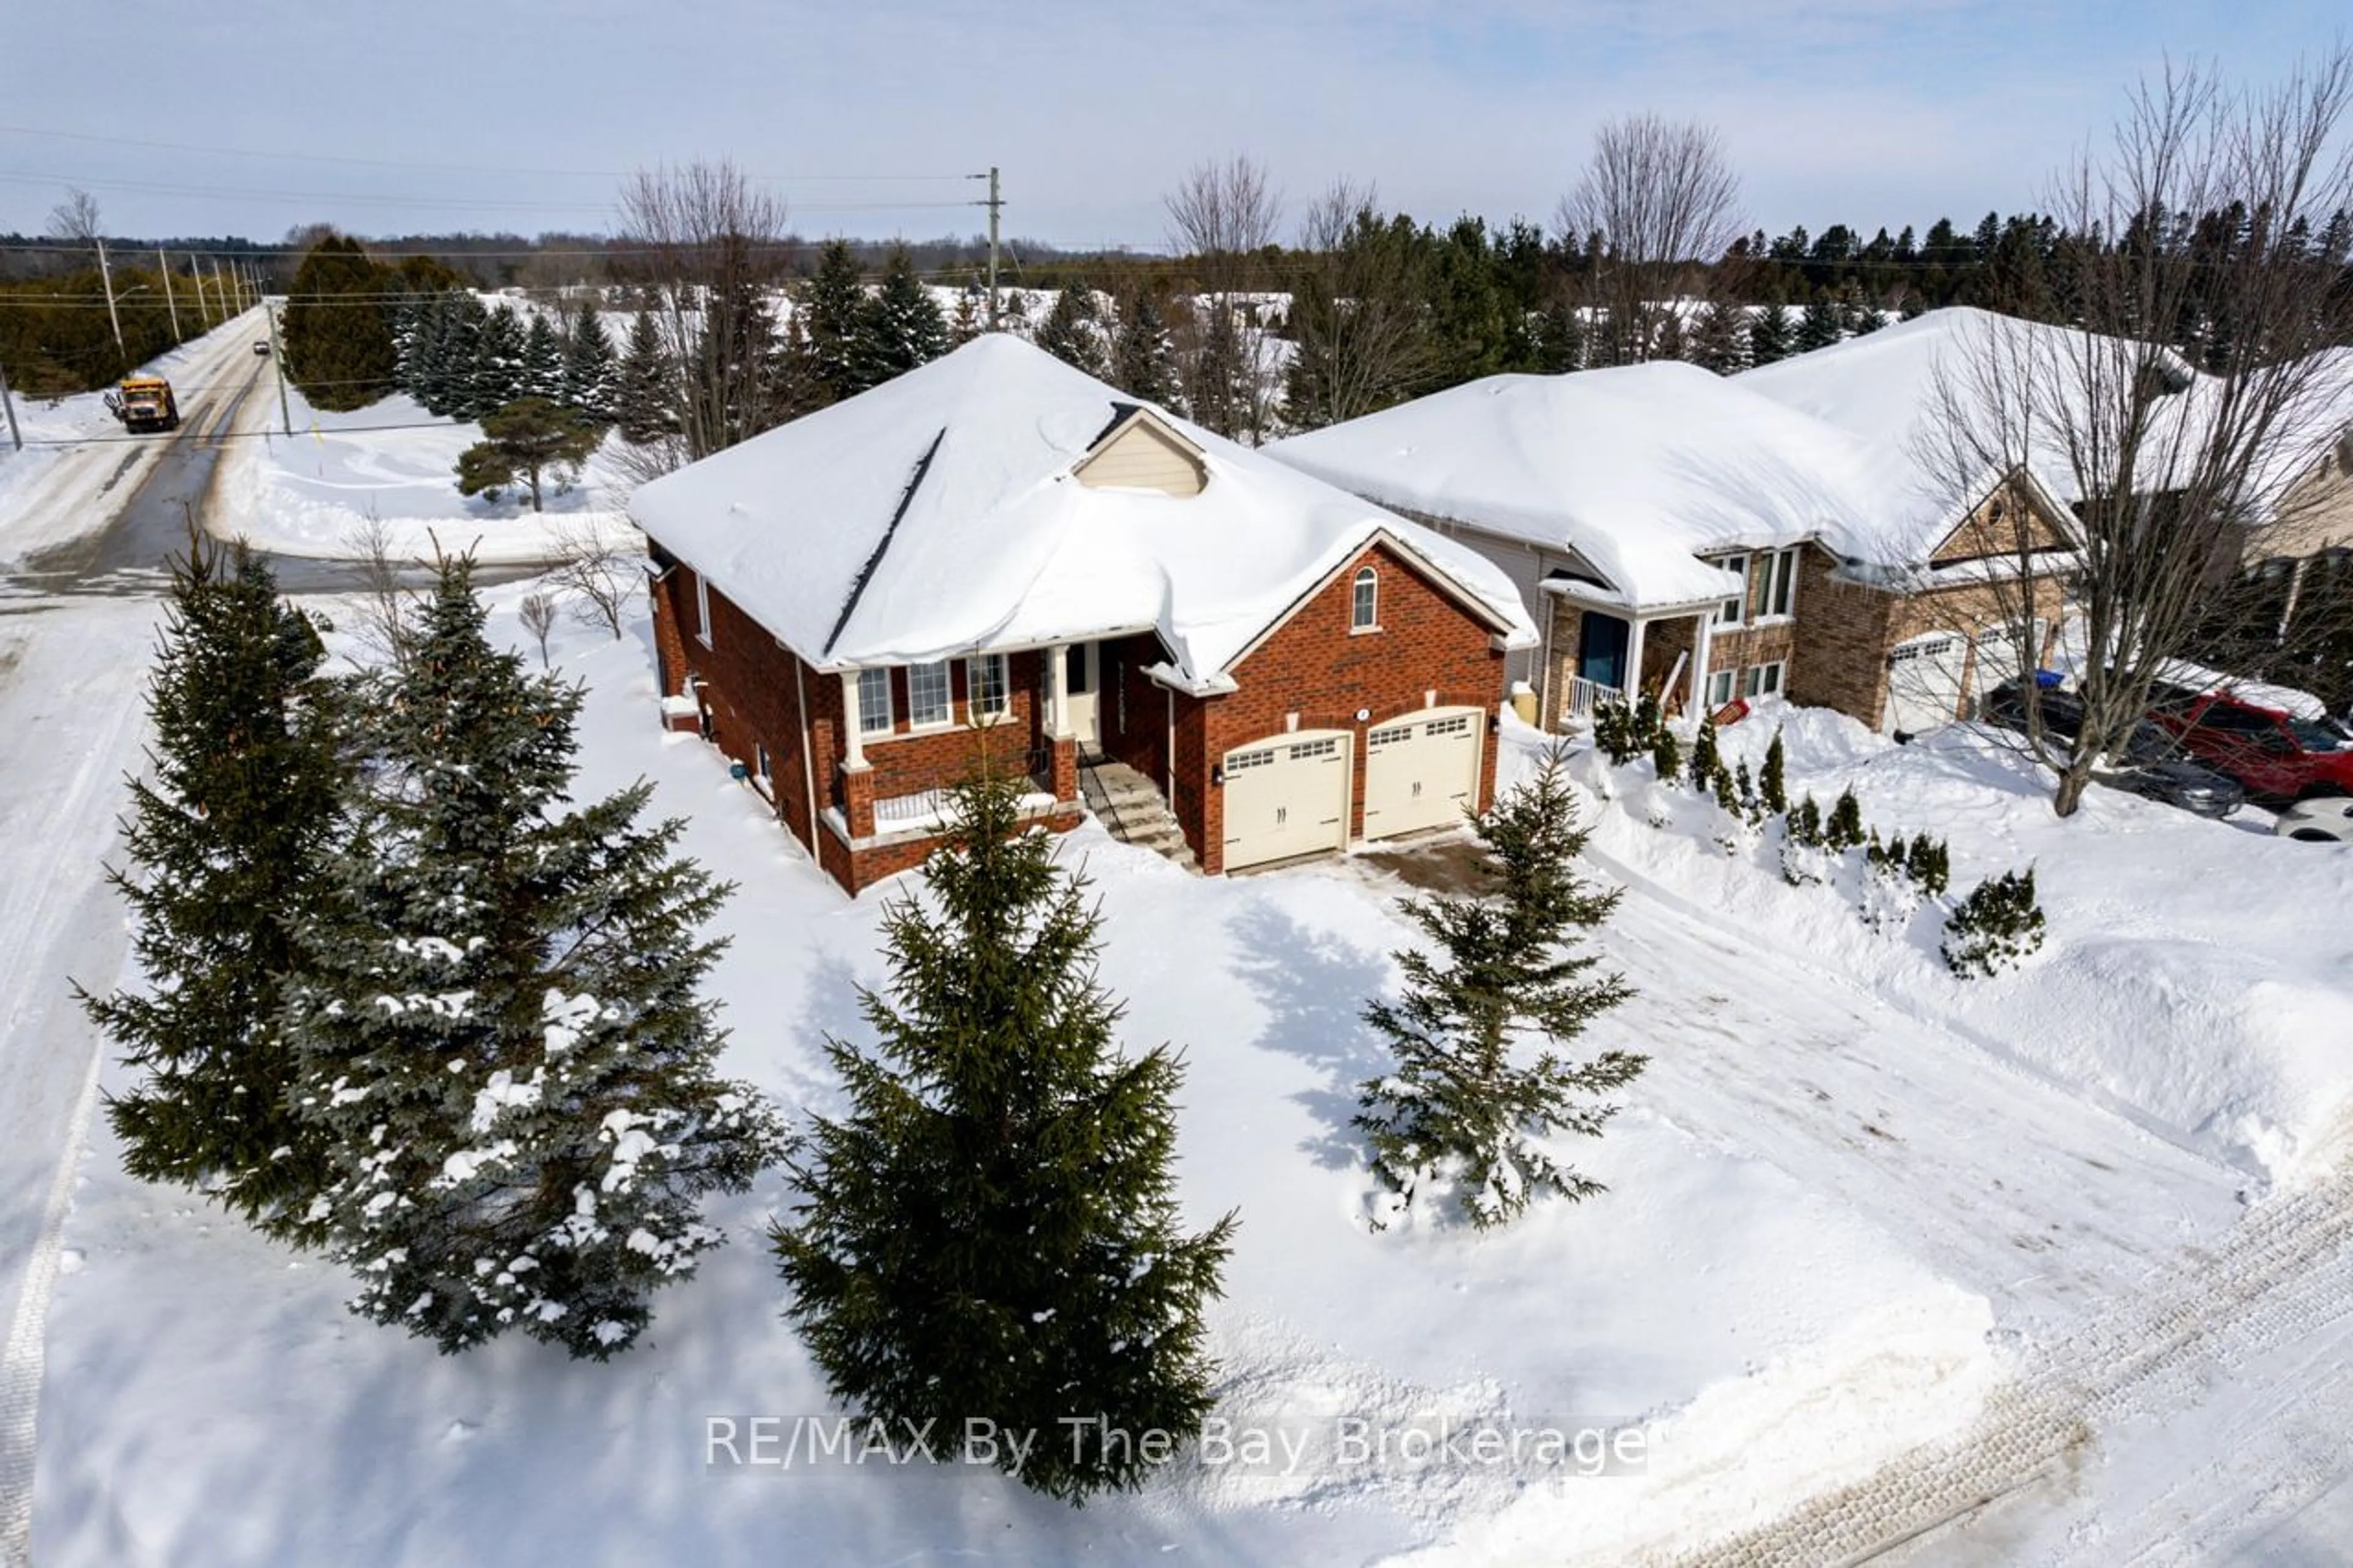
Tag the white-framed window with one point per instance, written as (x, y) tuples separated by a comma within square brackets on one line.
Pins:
[(874, 715), (703, 609), (928, 702), (1764, 679), (1728, 613), (1365, 607), (1720, 686), (986, 689), (1777, 584), (761, 763)]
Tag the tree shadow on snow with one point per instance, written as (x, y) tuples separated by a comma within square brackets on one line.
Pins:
[(1314, 988)]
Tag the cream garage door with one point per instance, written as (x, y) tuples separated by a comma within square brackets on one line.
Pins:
[(1421, 771), (1286, 796), (1924, 682)]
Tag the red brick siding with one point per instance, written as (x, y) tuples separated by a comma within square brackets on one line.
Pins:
[(1315, 667), (908, 764), (748, 688)]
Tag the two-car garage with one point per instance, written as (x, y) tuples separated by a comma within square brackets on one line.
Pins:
[(1292, 795)]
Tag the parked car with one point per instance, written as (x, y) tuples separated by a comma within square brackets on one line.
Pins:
[(2327, 819), (2150, 764), (2276, 755)]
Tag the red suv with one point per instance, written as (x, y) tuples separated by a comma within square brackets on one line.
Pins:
[(2277, 756)]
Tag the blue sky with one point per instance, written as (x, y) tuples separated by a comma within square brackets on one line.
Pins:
[(519, 115)]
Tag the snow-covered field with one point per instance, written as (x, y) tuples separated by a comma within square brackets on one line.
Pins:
[(392, 467), (1851, 1197)]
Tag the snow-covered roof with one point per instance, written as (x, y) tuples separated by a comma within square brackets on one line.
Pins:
[(1638, 470), (939, 514)]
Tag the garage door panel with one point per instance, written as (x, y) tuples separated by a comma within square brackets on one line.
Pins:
[(1286, 796), (1421, 771), (1924, 683)]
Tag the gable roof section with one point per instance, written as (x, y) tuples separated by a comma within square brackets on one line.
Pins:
[(1638, 470), (823, 532)]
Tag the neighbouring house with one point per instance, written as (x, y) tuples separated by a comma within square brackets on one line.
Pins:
[(1673, 531), (995, 552)]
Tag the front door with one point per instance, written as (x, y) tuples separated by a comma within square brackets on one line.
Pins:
[(1602, 650), (1086, 682)]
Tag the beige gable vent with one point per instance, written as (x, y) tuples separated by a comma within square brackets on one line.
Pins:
[(1140, 453)]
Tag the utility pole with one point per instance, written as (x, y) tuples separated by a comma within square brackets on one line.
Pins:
[(169, 303), (196, 271), (994, 203), (277, 360), (9, 403), (107, 273)]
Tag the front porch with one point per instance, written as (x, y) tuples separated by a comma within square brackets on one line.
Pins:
[(1599, 649)]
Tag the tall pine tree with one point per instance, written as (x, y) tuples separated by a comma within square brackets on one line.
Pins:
[(339, 344), (904, 327), (1464, 1113), (226, 843), (497, 375), (1072, 330), (834, 315), (645, 404), (497, 1022), (588, 383), (542, 359), (989, 1232)]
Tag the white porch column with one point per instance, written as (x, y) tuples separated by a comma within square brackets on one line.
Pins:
[(1057, 690), (1634, 659), (1702, 644), (853, 727)]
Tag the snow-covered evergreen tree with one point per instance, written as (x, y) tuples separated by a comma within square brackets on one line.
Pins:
[(1467, 1111), (1144, 360), (1072, 332), (496, 1026), (496, 378), (644, 401), (1770, 330), (542, 359), (226, 842), (1718, 339), (834, 315), (903, 327), (1822, 324), (588, 366), (990, 1231)]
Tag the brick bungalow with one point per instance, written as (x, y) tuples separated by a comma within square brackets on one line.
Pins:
[(1674, 531), (997, 552)]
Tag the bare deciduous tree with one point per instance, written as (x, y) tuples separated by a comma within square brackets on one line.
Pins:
[(1659, 203), (590, 564), (2186, 416), (708, 252), (385, 621), (1360, 312), (1223, 216), (76, 218), (538, 613)]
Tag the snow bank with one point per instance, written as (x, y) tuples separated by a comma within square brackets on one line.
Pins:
[(2187, 978), (393, 465)]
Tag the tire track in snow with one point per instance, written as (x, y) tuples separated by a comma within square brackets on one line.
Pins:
[(2282, 1274)]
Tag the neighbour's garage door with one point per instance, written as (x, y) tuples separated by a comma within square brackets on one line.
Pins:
[(1924, 682), (1286, 796), (1421, 771)]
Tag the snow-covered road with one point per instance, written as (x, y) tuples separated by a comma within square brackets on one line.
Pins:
[(71, 711)]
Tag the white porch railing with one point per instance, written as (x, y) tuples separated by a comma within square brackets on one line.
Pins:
[(1583, 697), (924, 807)]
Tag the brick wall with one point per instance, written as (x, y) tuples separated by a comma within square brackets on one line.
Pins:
[(1315, 667), (750, 694)]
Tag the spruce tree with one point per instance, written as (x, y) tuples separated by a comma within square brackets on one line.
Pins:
[(1773, 784), (542, 359), (903, 327), (226, 843), (1822, 324), (496, 377), (588, 383), (643, 402), (1144, 363), (1718, 340), (1706, 761), (1463, 1113), (1844, 830), (496, 1022), (1770, 330), (833, 312), (1072, 332), (990, 1231)]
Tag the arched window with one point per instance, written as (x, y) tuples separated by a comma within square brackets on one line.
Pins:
[(1366, 616)]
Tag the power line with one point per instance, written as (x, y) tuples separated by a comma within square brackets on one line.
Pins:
[(216, 192)]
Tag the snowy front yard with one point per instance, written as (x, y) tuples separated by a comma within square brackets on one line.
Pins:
[(1848, 1190)]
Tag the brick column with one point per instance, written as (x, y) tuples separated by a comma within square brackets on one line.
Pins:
[(1066, 768), (858, 799)]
